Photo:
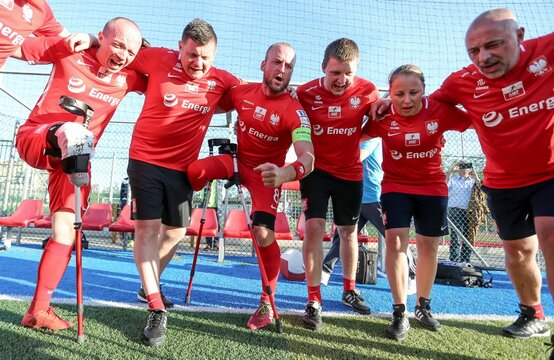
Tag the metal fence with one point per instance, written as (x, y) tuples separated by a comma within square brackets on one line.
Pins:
[(19, 181)]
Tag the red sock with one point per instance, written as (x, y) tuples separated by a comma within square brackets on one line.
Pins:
[(51, 267), (539, 311), (348, 285), (271, 257), (314, 293), (155, 301)]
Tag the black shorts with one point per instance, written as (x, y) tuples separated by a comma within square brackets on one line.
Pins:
[(160, 193), (514, 210), (429, 212), (346, 197)]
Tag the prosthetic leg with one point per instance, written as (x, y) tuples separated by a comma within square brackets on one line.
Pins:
[(78, 178), (207, 193), (265, 282)]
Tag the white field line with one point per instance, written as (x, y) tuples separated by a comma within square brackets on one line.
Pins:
[(228, 310)]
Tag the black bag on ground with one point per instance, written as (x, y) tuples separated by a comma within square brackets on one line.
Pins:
[(461, 274), (366, 273)]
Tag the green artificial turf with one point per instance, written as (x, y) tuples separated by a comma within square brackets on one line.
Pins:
[(114, 333)]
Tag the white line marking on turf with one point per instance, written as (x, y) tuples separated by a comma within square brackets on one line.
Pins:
[(227, 310)]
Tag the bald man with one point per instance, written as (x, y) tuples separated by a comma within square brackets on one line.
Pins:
[(51, 135), (507, 92)]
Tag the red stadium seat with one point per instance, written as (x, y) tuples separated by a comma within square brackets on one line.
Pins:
[(236, 225), (97, 217), (123, 222), (210, 226), (282, 228), (27, 212)]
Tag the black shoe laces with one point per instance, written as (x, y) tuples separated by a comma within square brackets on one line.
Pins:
[(354, 296), (426, 312), (155, 319), (397, 320), (311, 311)]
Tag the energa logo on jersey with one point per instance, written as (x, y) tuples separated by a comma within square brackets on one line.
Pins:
[(396, 155), (76, 85), (318, 129)]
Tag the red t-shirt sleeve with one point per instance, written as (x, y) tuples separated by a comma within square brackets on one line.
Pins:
[(444, 93), (138, 83), (44, 49), (145, 59), (458, 119), (51, 26), (226, 103)]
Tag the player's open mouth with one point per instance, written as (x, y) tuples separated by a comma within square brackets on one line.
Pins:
[(115, 64), (490, 67)]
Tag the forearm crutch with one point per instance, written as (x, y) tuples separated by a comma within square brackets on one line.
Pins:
[(265, 282), (207, 193), (79, 179)]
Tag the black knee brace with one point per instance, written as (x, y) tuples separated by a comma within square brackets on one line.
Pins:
[(263, 219), (52, 140)]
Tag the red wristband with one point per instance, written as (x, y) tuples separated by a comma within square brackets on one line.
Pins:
[(299, 168)]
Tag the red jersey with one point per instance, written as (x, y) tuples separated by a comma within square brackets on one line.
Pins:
[(19, 19), (336, 125), (266, 124), (513, 115), (412, 148), (177, 109), (78, 75)]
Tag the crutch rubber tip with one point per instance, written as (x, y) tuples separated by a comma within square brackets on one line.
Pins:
[(279, 326), (187, 299), (81, 339)]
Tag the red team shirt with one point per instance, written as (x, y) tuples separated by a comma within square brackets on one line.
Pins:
[(265, 124), (19, 19), (513, 115), (177, 109), (336, 125), (412, 148), (78, 75)]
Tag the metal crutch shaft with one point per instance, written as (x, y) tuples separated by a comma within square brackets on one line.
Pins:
[(79, 108), (207, 194)]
